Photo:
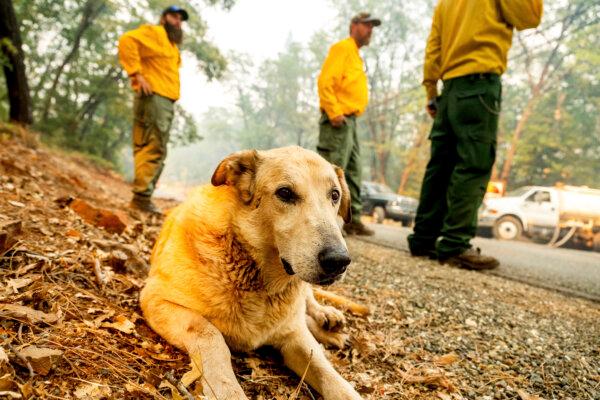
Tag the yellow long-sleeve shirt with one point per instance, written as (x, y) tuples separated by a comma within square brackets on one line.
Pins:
[(474, 36), (148, 50), (343, 83)]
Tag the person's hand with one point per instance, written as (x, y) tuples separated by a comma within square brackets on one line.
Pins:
[(431, 108), (338, 121), (145, 87)]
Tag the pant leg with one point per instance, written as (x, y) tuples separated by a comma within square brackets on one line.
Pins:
[(473, 114), (152, 121), (353, 171), (335, 144), (432, 200)]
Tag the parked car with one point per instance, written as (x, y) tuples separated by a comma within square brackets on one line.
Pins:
[(381, 202)]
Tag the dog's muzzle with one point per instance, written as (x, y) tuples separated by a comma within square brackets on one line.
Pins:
[(334, 260)]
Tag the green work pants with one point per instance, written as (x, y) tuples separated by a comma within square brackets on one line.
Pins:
[(463, 151), (340, 146), (152, 120)]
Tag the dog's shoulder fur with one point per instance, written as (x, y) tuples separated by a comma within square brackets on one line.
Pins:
[(217, 274)]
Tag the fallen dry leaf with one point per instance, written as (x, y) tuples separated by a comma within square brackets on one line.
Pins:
[(196, 372), (432, 378), (174, 392), (42, 359), (7, 382), (22, 312), (120, 323), (143, 388), (13, 285), (526, 396), (446, 359), (93, 391), (10, 395)]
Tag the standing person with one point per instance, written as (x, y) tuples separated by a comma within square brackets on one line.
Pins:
[(150, 56), (467, 49), (344, 95)]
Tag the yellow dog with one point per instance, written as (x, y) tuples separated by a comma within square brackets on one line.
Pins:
[(234, 264)]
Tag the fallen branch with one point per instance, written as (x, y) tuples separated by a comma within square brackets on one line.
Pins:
[(100, 279), (182, 389)]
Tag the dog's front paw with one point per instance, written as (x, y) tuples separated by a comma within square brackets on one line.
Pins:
[(329, 318)]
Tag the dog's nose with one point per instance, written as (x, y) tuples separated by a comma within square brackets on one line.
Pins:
[(334, 260)]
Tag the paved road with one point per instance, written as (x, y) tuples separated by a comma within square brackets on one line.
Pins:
[(571, 271)]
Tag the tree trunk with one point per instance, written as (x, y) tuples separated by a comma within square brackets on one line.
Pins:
[(516, 137), (413, 155), (91, 10), (14, 71)]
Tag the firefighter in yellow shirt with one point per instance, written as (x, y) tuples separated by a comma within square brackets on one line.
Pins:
[(343, 95), (151, 58), (467, 49)]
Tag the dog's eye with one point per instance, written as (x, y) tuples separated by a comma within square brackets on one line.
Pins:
[(286, 195), (335, 195)]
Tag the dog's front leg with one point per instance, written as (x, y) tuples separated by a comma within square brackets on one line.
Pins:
[(190, 331), (300, 351), (325, 322)]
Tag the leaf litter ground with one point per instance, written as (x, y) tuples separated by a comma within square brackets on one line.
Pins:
[(71, 326)]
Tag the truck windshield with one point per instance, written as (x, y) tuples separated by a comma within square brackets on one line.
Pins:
[(518, 192)]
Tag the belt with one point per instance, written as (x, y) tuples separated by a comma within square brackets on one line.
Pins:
[(352, 115), (475, 77), (487, 75)]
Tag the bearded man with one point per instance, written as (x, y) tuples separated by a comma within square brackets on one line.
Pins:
[(150, 56), (343, 95)]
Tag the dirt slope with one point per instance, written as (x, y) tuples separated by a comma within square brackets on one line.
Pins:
[(68, 305)]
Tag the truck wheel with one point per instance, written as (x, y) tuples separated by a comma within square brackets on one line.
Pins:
[(508, 228), (378, 214)]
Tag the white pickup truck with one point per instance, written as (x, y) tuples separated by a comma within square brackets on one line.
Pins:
[(553, 214)]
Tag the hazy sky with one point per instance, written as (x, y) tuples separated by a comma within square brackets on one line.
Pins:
[(258, 28)]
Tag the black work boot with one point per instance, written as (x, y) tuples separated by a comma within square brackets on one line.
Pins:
[(143, 203), (472, 259), (358, 228), (424, 252)]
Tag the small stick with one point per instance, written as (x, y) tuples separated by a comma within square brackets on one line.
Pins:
[(182, 389), (22, 358), (296, 392), (98, 273)]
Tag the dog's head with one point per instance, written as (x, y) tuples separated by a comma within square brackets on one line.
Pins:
[(290, 199)]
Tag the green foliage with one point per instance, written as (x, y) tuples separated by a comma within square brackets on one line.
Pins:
[(561, 140), (81, 97), (275, 101)]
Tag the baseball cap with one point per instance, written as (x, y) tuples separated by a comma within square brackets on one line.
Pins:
[(365, 18), (176, 10)]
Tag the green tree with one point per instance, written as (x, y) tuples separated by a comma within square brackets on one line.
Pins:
[(81, 97)]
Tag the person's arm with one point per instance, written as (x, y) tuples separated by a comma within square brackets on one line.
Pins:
[(129, 57), (522, 14), (331, 74), (433, 55)]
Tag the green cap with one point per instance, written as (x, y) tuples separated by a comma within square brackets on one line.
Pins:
[(365, 18)]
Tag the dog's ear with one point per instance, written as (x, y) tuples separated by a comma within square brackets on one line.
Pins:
[(239, 170), (345, 212)]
